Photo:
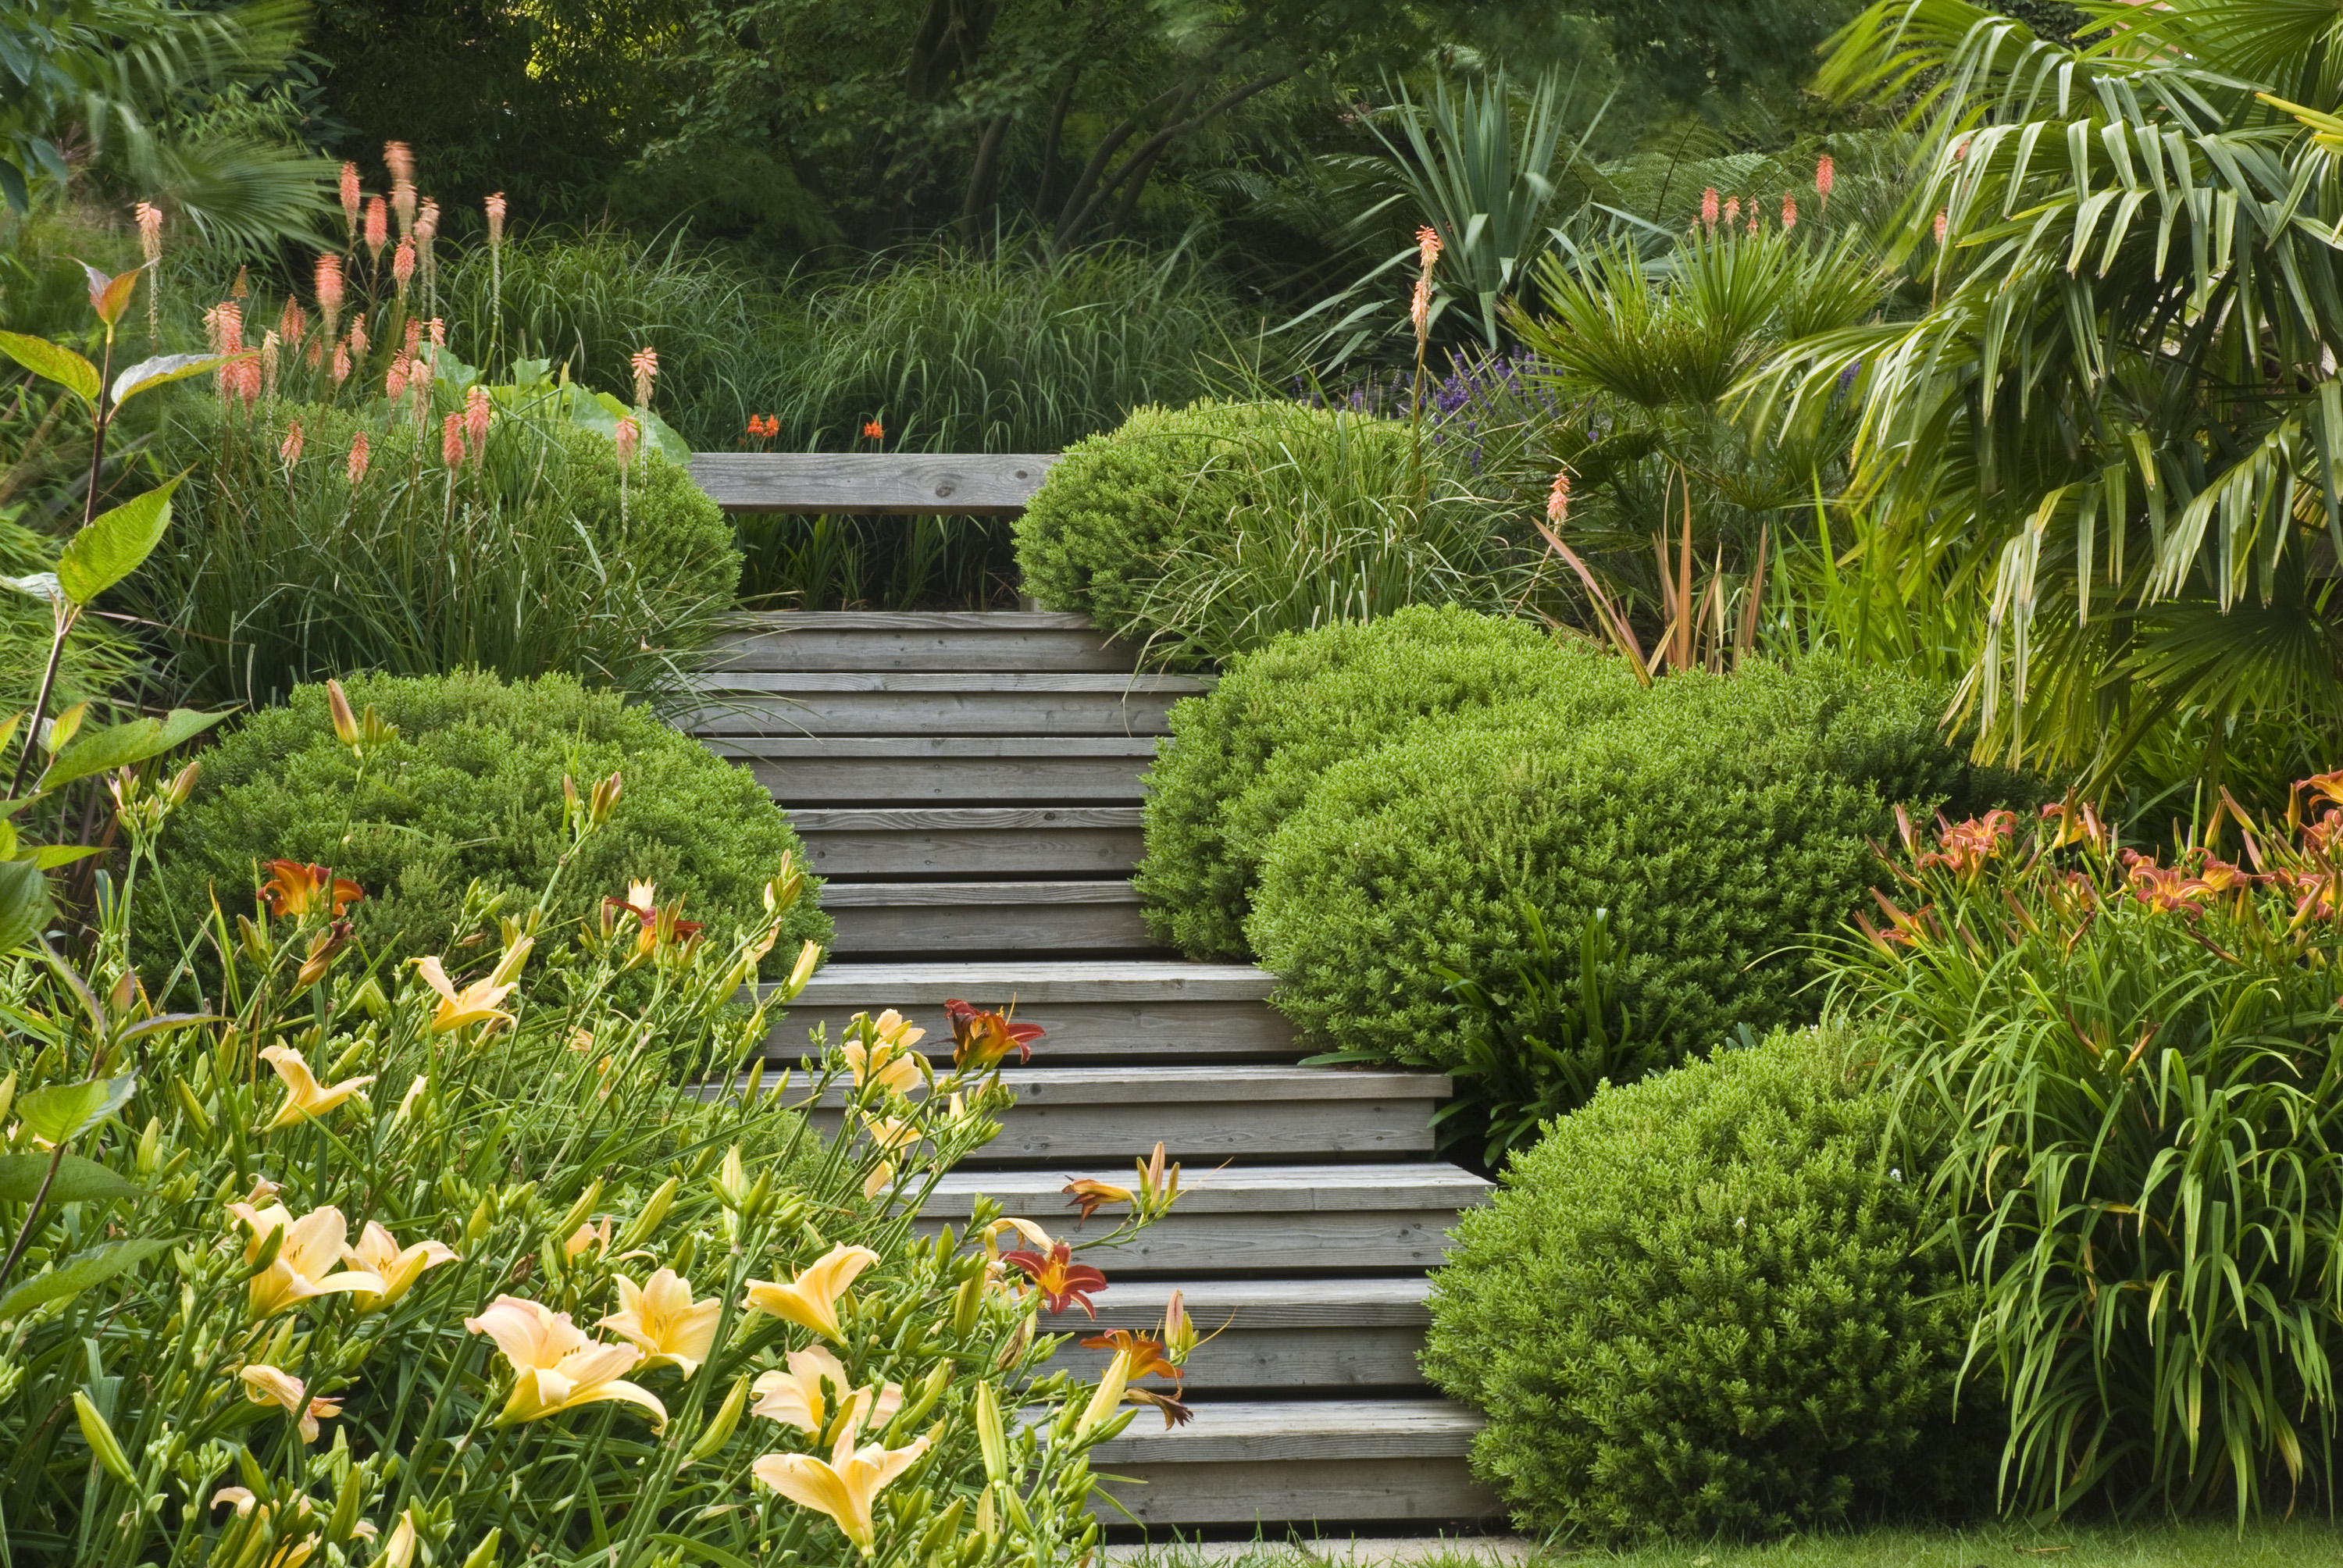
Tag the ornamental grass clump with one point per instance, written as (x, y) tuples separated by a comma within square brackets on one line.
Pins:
[(2137, 1068), (351, 1260), (1716, 1303)]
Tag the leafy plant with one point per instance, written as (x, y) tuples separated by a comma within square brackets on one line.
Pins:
[(2136, 1067), (555, 1273), (1714, 1303)]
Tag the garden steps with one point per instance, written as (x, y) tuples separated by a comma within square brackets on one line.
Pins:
[(969, 786)]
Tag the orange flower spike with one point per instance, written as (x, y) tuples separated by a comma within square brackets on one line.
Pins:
[(1062, 1282), (1145, 1352), (1090, 1196)]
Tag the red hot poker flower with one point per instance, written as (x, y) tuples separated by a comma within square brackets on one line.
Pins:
[(1062, 1282)]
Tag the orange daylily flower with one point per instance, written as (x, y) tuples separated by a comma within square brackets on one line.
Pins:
[(305, 1097), (811, 1299), (1062, 1282), (1090, 1196), (655, 928), (555, 1366), (980, 1039), (1175, 1413), (1143, 1354), (295, 889)]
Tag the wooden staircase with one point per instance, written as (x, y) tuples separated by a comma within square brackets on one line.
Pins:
[(970, 786)]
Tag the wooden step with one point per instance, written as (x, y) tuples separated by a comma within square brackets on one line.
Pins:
[(879, 702), (986, 917), (1201, 1115), (1260, 1220), (1287, 1335), (850, 842), (1123, 1011), (944, 640), (1338, 1461), (940, 770)]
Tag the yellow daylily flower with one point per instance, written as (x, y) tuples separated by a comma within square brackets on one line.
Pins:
[(398, 1551), (811, 1299), (274, 1385), (797, 1397), (305, 1097), (476, 1003), (555, 1366), (892, 1133), (890, 1062), (660, 1317), (378, 1252), (843, 1486), (305, 1263)]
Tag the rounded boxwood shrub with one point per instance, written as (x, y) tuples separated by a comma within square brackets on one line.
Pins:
[(1094, 537), (523, 561), (1721, 820), (1716, 1301), (1242, 759), (470, 788)]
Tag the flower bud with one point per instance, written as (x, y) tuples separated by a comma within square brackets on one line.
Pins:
[(639, 1230), (727, 1416), (103, 1443), (483, 1555), (577, 1212), (345, 722)]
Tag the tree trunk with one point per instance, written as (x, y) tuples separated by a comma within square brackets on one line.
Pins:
[(1142, 160), (982, 178)]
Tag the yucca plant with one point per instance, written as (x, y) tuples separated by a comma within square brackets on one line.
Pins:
[(2114, 427), (2137, 1070)]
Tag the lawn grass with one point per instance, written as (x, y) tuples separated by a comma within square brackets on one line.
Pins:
[(2204, 1546)]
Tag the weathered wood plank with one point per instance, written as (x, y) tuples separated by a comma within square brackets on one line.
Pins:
[(1242, 1357), (1271, 1189), (1341, 1493), (1240, 1432), (1036, 981), (974, 895), (953, 641), (965, 819), (921, 751), (1169, 1032), (1002, 927), (1036, 841), (906, 483), (813, 684), (1107, 1138), (1052, 779), (1141, 1087), (890, 713), (1401, 1303)]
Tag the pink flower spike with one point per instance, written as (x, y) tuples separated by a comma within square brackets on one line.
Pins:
[(350, 199), (1557, 500), (223, 326), (402, 206), (358, 458), (426, 225), (628, 438), (292, 323), (402, 265), (1419, 307), (358, 344), (1732, 212), (439, 331), (496, 220), (329, 289), (1825, 176), (377, 228), (1756, 217), (394, 382), (1708, 207), (1427, 248), (1789, 211), (246, 372), (477, 414), (290, 450), (1944, 222), (451, 440), (150, 230), (399, 159), (341, 363), (646, 367)]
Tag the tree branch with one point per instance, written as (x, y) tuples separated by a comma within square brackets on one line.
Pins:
[(1142, 158)]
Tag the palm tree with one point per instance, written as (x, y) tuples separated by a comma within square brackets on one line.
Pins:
[(2114, 423)]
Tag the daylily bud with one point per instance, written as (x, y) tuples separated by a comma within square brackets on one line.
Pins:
[(966, 1302), (604, 799), (727, 1416), (580, 1209), (183, 784), (345, 721), (1178, 1328), (483, 1555), (150, 1143), (103, 1443), (732, 1180), (179, 1086), (654, 1210), (1108, 1397), (7, 1095), (807, 957), (476, 1229), (991, 1436), (255, 946)]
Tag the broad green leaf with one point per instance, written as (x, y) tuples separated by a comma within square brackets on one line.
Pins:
[(122, 744), (114, 544), (23, 904), (110, 296), (164, 369), (78, 1274), (63, 1111), (52, 362), (49, 857), (79, 1180)]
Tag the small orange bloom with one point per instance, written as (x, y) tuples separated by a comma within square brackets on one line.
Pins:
[(1062, 1282), (1090, 1196), (980, 1039), (872, 430), (1145, 1350), (294, 889)]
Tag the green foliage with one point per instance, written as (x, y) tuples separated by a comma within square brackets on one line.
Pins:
[(2139, 1071), (470, 791), (1242, 759), (2061, 433), (1720, 820), (360, 1312), (1712, 1303), (524, 564)]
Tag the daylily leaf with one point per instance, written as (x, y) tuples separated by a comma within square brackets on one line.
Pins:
[(63, 1111), (24, 904), (54, 362), (114, 544), (78, 1274), (79, 1180), (110, 296), (163, 369), (165, 1021), (122, 744)]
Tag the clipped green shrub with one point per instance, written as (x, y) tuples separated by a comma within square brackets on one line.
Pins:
[(522, 561), (1096, 536), (1720, 820), (470, 788), (1713, 1302), (1242, 759)]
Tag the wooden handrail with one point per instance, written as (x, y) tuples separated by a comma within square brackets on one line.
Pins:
[(911, 483)]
